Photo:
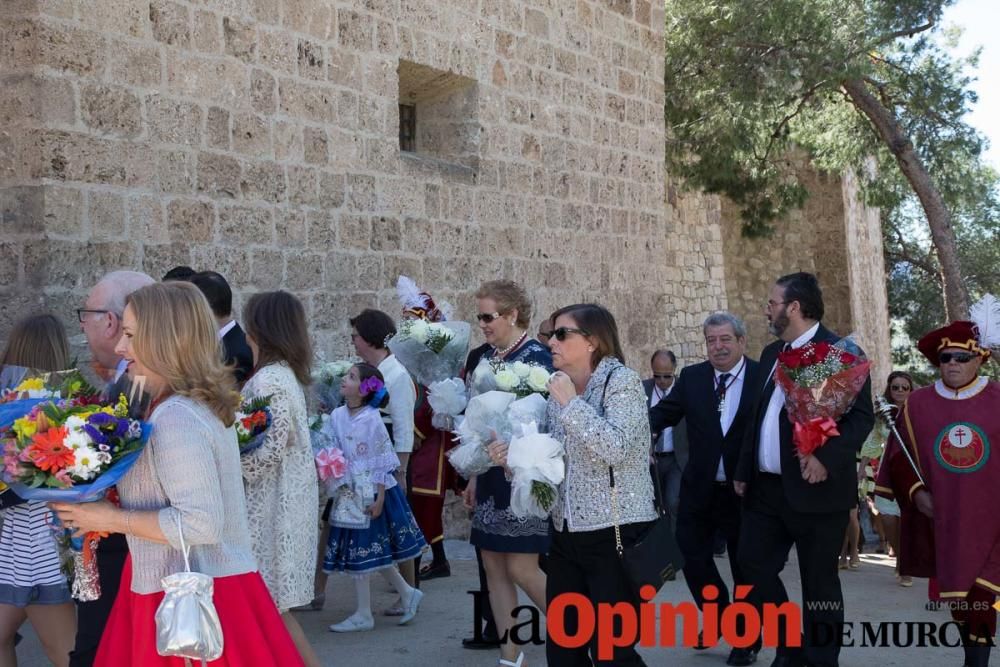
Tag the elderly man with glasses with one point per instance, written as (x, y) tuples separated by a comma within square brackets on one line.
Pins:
[(945, 474)]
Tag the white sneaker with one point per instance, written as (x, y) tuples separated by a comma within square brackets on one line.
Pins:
[(411, 608), (354, 624)]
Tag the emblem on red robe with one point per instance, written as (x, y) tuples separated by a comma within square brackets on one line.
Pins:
[(962, 447)]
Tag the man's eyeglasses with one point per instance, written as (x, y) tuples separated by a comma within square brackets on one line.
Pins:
[(561, 333), (81, 313), (900, 387), (486, 318), (771, 303), (957, 357), (663, 376)]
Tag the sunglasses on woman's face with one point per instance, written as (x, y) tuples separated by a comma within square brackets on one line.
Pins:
[(486, 318), (561, 333), (900, 387), (957, 357)]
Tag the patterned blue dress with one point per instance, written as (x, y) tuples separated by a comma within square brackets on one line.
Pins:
[(494, 526)]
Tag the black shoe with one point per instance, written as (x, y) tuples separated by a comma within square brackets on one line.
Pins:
[(433, 571), (787, 661), (480, 643), (700, 646), (742, 656)]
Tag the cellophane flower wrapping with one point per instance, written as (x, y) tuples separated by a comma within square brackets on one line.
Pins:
[(494, 415), (538, 466), (821, 381), (431, 351), (326, 384), (447, 399)]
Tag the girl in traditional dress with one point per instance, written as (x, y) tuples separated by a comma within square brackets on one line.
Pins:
[(371, 525)]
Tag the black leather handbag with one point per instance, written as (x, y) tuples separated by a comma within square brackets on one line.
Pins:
[(653, 558)]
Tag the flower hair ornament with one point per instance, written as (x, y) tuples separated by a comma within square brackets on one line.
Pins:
[(376, 388)]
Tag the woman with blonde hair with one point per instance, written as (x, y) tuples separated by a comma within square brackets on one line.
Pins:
[(188, 481), (32, 584)]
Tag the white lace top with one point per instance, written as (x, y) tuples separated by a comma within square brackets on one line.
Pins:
[(365, 443), (282, 490)]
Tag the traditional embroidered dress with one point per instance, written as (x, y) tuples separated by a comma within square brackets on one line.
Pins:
[(393, 536)]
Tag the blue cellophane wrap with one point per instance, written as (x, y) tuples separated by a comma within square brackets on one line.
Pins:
[(9, 412)]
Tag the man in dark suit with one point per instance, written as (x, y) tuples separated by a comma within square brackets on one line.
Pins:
[(236, 351), (670, 445), (715, 398), (790, 500)]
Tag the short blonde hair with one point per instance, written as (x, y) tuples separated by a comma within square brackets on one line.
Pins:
[(177, 338), (509, 296), (37, 342)]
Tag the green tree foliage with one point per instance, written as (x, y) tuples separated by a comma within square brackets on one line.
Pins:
[(849, 81)]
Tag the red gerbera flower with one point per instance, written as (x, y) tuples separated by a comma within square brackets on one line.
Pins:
[(48, 452)]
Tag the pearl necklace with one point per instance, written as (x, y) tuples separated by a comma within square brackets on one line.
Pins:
[(500, 354)]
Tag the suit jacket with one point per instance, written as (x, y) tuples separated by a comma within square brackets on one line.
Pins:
[(693, 400), (839, 492), (680, 433), (237, 353)]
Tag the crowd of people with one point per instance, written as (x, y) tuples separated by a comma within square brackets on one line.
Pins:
[(711, 445)]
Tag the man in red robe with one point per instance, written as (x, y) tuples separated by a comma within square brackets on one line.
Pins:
[(947, 487)]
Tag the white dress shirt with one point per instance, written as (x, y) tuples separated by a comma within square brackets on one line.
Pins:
[(734, 391), (402, 398), (769, 454), (665, 443), (226, 328)]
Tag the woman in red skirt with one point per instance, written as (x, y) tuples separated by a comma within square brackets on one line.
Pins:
[(189, 475)]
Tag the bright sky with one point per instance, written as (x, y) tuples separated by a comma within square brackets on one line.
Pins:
[(981, 19)]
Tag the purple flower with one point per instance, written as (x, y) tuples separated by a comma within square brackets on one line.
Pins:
[(95, 434), (101, 419)]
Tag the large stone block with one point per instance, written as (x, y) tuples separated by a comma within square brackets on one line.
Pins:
[(173, 121), (264, 181), (241, 38), (170, 23), (246, 225), (106, 215), (191, 221), (219, 175)]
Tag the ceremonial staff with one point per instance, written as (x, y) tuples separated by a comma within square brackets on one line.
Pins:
[(884, 409)]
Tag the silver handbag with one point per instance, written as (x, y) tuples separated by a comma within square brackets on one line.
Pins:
[(349, 507), (187, 625)]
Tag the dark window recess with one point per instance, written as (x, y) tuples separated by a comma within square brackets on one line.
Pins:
[(408, 128)]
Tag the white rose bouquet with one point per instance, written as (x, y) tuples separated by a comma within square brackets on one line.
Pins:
[(431, 351), (518, 378), (326, 383), (495, 414)]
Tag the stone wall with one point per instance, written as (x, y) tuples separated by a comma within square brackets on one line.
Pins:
[(834, 236), (259, 138)]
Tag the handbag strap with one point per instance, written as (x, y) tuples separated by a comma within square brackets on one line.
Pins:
[(185, 548)]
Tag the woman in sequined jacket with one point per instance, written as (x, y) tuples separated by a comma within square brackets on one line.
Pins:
[(597, 409)]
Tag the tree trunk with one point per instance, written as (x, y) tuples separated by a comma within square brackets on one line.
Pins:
[(956, 296)]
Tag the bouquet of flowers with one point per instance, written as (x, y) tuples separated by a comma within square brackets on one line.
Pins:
[(821, 382), (536, 461), (74, 451), (518, 378), (431, 351), (493, 415), (252, 422), (447, 399), (27, 392), (326, 383)]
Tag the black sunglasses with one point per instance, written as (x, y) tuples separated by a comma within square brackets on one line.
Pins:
[(957, 357), (561, 333), (663, 376), (900, 387), (486, 318)]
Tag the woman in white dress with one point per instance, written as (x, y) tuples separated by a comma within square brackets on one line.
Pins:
[(280, 475)]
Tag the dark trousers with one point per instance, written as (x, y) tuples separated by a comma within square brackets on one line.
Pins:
[(587, 563), (769, 529), (697, 527), (667, 474), (93, 616)]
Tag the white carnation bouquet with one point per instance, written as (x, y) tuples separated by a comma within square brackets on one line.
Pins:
[(326, 383), (536, 461), (431, 351)]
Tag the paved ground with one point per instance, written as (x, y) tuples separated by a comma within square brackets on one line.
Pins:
[(434, 637)]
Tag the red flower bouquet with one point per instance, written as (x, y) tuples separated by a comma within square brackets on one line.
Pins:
[(821, 381)]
